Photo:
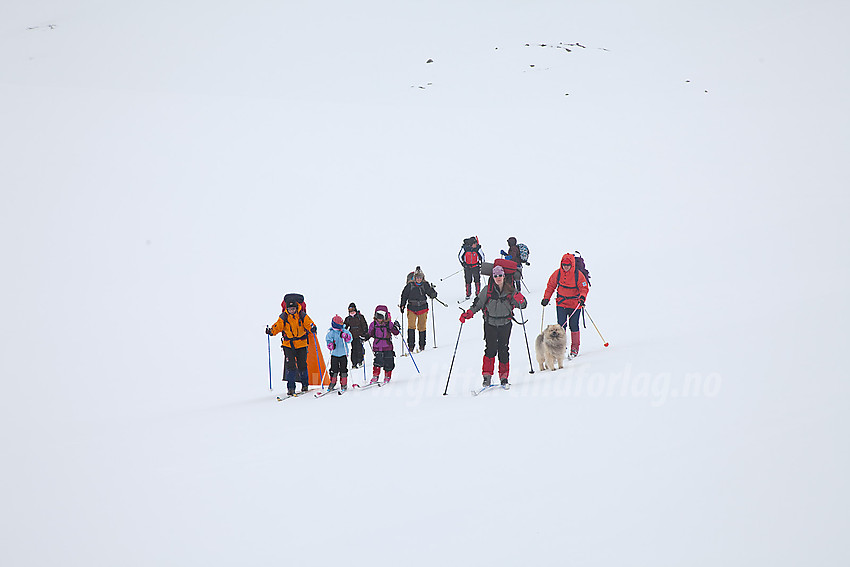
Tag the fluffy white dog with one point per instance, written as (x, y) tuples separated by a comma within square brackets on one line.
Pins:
[(551, 345)]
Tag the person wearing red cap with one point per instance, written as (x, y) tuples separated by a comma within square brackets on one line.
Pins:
[(498, 301), (337, 339), (572, 288)]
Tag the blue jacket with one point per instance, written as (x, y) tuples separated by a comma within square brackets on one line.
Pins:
[(337, 341)]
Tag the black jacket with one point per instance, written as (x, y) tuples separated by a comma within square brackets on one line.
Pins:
[(357, 325), (415, 297)]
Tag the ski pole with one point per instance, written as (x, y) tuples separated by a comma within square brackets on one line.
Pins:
[(434, 322), (604, 343), (450, 275), (446, 391), (440, 302), (570, 316), (525, 334), (411, 355), (269, 340), (542, 318)]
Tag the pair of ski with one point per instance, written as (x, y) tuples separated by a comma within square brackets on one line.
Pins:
[(322, 393), (358, 387), (483, 389), (295, 395)]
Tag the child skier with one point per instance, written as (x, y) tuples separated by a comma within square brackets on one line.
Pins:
[(337, 340), (359, 329), (382, 330), (471, 257), (497, 301)]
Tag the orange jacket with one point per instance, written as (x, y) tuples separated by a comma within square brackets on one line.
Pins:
[(295, 328), (570, 283)]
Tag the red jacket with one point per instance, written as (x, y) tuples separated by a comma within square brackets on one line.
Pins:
[(570, 283)]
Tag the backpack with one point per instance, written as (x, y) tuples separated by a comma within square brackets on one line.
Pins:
[(523, 252), (470, 254), (581, 267), (297, 298)]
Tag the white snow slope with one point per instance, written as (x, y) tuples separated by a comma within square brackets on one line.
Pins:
[(170, 169)]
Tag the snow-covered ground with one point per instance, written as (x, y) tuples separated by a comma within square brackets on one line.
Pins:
[(171, 169)]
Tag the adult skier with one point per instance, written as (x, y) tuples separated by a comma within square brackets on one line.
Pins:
[(572, 287), (471, 257), (414, 297), (294, 325), (497, 300)]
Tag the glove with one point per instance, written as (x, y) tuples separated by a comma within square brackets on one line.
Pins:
[(519, 297), (402, 309), (268, 331), (528, 263), (581, 299), (396, 326), (503, 253), (545, 302), (331, 345), (313, 328), (466, 315)]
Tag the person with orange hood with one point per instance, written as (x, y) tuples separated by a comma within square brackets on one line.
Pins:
[(572, 287), (294, 325)]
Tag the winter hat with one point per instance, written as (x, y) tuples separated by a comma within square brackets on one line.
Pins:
[(418, 273), (512, 241), (336, 322), (352, 306), (498, 271), (381, 312)]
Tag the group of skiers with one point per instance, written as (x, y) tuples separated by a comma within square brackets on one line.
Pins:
[(496, 301)]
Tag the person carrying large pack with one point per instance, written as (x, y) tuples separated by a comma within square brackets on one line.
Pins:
[(571, 280), (497, 301), (414, 297), (294, 326), (471, 257), (519, 254)]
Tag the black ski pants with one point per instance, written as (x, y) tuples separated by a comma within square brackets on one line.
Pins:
[(497, 341)]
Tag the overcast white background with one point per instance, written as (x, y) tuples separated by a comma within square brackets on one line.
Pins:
[(171, 169)]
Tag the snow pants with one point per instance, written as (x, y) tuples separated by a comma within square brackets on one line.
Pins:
[(339, 367), (472, 274), (384, 359), (497, 341), (564, 312), (295, 365), (357, 351)]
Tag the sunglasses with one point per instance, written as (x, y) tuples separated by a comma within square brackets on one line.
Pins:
[(499, 276)]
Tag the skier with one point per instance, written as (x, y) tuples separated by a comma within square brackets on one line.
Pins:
[(497, 300), (359, 329), (337, 339), (471, 257), (294, 325), (382, 329), (572, 289), (415, 296), (514, 254)]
